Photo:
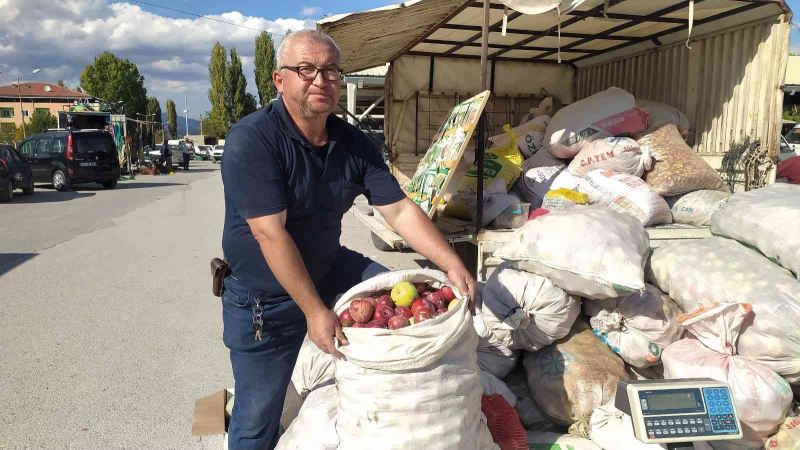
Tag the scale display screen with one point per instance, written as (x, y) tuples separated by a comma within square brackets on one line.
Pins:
[(671, 401)]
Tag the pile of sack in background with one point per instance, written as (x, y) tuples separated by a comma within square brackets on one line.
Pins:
[(608, 149)]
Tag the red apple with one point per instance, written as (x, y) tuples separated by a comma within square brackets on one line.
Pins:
[(436, 298), (385, 300), (398, 322), (423, 314), (375, 324), (440, 312), (359, 325), (448, 293), (422, 287), (345, 319), (404, 311), (371, 300), (361, 310), (421, 303), (383, 313)]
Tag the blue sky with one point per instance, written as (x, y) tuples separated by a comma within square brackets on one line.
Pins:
[(171, 49)]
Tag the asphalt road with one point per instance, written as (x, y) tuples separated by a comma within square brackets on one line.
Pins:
[(109, 331)]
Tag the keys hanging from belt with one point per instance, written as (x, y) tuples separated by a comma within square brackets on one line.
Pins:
[(258, 322)]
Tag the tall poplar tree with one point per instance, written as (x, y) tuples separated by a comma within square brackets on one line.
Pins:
[(264, 66)]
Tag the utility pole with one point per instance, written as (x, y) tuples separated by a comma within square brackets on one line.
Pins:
[(186, 113), (19, 91)]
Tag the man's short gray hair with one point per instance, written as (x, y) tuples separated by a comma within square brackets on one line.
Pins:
[(311, 35)]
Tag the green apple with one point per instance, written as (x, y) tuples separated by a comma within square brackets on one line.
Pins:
[(453, 305), (403, 293)]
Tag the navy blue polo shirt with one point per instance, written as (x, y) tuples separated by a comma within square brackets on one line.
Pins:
[(269, 167)]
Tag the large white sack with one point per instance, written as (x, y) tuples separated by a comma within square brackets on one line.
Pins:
[(555, 441), (493, 385), (591, 251), (617, 154), (538, 173), (626, 194), (572, 377), (612, 429), (637, 329), (767, 219), (524, 311), (314, 428), (493, 356), (761, 397), (612, 112), (719, 270), (530, 136), (661, 114), (787, 437), (313, 367), (696, 208), (397, 386)]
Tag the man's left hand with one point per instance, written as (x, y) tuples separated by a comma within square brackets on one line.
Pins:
[(462, 279)]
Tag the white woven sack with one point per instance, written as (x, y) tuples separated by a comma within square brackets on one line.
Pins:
[(396, 387), (760, 396), (555, 441), (718, 270), (493, 385), (661, 114), (313, 367), (617, 154), (637, 329), (787, 437), (314, 428), (627, 194), (530, 136), (564, 180), (591, 252), (524, 311), (696, 208), (607, 113), (767, 219), (538, 173), (612, 429), (493, 356)]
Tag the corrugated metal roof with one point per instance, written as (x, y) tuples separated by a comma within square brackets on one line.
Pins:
[(793, 71), (379, 71), (590, 34), (45, 90)]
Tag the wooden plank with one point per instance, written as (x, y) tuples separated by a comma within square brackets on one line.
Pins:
[(381, 229)]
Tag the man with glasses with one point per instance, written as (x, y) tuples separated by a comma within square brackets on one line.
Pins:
[(290, 172)]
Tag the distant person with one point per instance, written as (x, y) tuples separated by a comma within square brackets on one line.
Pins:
[(166, 158), (186, 152), (790, 169)]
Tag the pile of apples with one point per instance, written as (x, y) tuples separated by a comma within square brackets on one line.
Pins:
[(406, 304)]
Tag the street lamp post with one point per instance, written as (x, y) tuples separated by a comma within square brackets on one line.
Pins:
[(19, 91), (186, 114)]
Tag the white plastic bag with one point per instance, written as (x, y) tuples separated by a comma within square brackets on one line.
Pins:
[(636, 329), (538, 173), (767, 219), (591, 251), (761, 397), (719, 270), (696, 208), (493, 385), (525, 311), (626, 194), (572, 377), (555, 441), (313, 367), (315, 425), (612, 112), (397, 387), (617, 154)]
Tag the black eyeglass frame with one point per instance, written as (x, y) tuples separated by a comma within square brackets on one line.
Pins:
[(325, 71)]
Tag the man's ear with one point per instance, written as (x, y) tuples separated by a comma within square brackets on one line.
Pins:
[(277, 80)]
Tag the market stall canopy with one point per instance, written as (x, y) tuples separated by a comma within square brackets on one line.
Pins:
[(595, 31)]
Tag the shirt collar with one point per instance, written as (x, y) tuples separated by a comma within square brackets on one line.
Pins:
[(333, 124)]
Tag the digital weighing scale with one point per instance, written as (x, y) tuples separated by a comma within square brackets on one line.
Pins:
[(676, 412)]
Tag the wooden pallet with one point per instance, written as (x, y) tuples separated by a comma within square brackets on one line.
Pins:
[(453, 230)]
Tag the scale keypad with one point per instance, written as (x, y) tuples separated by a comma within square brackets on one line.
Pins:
[(658, 428), (720, 410)]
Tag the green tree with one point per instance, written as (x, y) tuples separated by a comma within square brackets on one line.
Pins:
[(219, 121), (172, 119), (236, 87), (8, 133), (116, 80), (61, 83), (250, 103), (154, 114), (40, 121), (264, 66)]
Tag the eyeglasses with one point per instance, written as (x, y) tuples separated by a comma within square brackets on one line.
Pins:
[(308, 73)]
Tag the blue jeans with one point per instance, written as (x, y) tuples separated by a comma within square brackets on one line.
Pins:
[(262, 369)]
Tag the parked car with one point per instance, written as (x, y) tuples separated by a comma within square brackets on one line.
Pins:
[(65, 158), (15, 173), (204, 152), (216, 154), (791, 147)]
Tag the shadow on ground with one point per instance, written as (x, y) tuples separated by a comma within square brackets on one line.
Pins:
[(9, 261), (49, 196)]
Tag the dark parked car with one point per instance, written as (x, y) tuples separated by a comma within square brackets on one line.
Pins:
[(64, 158), (14, 174)]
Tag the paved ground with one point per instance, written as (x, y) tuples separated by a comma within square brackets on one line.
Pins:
[(108, 328)]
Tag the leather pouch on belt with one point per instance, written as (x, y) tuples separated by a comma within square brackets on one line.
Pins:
[(219, 270)]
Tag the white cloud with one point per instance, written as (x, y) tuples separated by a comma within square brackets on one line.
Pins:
[(310, 11), (62, 36)]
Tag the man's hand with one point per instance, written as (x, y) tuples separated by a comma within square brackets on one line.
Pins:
[(323, 327), (460, 276)]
